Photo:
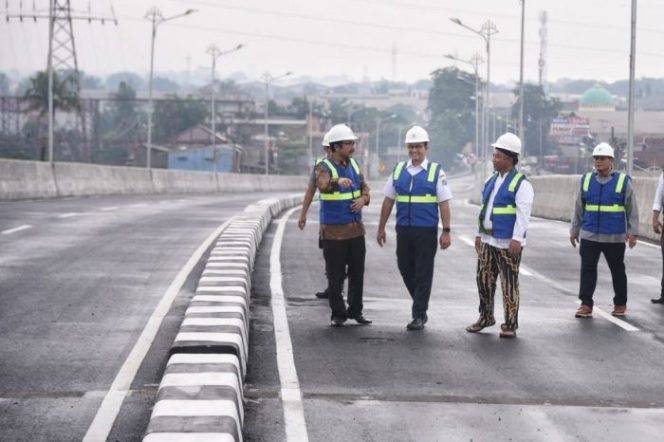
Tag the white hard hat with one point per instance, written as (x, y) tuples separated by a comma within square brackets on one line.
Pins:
[(341, 132), (326, 139), (603, 150), (417, 134), (508, 141)]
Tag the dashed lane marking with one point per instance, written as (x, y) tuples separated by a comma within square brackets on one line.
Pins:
[(108, 209), (68, 215), (16, 229)]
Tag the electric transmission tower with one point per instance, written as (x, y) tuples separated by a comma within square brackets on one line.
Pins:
[(61, 58)]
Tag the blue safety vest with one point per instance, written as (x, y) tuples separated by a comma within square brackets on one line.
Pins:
[(335, 206), (416, 196), (503, 214), (604, 204)]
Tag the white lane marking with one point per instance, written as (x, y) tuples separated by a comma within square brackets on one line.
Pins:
[(108, 209), (16, 229), (523, 270), (137, 205), (291, 395), (620, 323), (101, 426), (68, 215), (656, 246)]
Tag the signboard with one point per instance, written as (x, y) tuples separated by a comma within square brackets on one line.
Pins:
[(570, 130)]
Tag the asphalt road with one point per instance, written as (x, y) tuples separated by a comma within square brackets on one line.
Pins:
[(562, 379), (79, 279)]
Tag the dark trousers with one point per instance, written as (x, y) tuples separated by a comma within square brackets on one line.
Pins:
[(614, 253), (339, 254), (416, 250)]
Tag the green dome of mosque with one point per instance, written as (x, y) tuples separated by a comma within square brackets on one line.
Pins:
[(597, 96)]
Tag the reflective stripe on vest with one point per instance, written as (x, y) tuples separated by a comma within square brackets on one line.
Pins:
[(416, 199), (508, 210), (432, 171), (615, 208)]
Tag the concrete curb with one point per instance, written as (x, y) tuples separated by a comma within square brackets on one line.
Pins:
[(201, 394)]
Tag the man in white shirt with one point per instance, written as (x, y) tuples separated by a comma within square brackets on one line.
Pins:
[(422, 195), (507, 200), (657, 227)]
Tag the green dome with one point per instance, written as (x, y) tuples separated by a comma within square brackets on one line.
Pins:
[(597, 96)]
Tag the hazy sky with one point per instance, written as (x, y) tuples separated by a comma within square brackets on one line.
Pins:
[(586, 38)]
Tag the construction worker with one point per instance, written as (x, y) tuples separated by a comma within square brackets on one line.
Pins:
[(657, 228), (507, 200), (309, 197), (343, 194), (605, 217), (420, 190)]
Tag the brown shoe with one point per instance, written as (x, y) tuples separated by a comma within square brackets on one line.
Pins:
[(479, 325), (585, 311), (619, 310)]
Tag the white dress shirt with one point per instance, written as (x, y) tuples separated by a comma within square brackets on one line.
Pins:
[(524, 204), (443, 191), (659, 194)]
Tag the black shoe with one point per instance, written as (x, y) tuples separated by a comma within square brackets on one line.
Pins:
[(360, 319), (338, 321), (659, 300), (415, 324), (322, 295), (426, 318)]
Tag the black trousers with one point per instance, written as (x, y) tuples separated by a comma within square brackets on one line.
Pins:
[(614, 253), (416, 250), (338, 254)]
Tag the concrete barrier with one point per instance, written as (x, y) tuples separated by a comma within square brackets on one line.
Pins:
[(201, 393), (74, 179), (33, 179), (26, 180)]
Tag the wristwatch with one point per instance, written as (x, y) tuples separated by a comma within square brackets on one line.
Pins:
[(446, 230)]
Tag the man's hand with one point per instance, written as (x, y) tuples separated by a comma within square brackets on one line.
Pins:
[(477, 244), (344, 182), (515, 248), (574, 239), (381, 237), (302, 221), (631, 240), (656, 224), (358, 204), (445, 240)]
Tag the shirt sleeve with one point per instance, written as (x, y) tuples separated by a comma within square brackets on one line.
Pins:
[(443, 191), (524, 205), (388, 190), (657, 202), (577, 216)]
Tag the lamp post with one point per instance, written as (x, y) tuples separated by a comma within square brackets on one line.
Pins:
[(474, 61), (630, 111), (215, 53), (156, 18), (521, 91), (268, 78), (486, 31)]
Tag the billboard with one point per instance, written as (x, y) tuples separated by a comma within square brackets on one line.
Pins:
[(570, 130)]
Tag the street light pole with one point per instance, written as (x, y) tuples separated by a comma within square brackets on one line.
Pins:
[(522, 97), (267, 78), (630, 111), (156, 18), (215, 53), (486, 31), (51, 25)]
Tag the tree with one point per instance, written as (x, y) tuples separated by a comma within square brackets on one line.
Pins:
[(452, 107), (65, 98), (538, 112), (175, 114)]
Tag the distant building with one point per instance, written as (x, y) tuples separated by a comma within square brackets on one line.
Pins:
[(192, 149), (597, 98)]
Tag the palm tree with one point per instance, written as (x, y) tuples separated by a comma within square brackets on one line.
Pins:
[(65, 98)]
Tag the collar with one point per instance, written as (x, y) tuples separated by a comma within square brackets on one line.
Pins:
[(424, 164)]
